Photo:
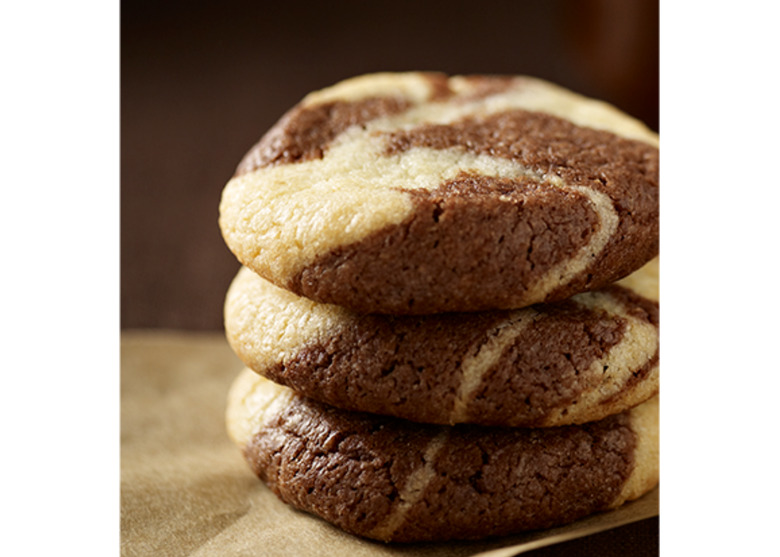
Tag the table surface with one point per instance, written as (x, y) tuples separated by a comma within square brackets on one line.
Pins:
[(185, 489)]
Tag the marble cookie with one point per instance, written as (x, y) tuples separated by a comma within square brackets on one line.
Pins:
[(573, 361), (393, 480), (417, 193)]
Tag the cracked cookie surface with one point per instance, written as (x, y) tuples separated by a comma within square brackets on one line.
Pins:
[(394, 480), (419, 193), (573, 361)]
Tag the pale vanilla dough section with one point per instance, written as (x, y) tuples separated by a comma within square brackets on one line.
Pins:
[(252, 404), (279, 219), (265, 324), (645, 421)]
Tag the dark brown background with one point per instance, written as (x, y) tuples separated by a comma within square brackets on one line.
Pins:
[(200, 83)]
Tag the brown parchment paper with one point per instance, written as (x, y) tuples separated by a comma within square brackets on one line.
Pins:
[(185, 489)]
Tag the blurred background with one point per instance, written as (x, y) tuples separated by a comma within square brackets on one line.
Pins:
[(201, 82)]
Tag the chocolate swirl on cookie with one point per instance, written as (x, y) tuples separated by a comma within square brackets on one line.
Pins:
[(392, 480), (578, 360), (418, 193)]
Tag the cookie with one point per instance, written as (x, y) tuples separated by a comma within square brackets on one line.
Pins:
[(573, 361), (418, 193), (393, 480)]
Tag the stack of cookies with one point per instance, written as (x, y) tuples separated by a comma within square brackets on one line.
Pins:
[(447, 307)]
